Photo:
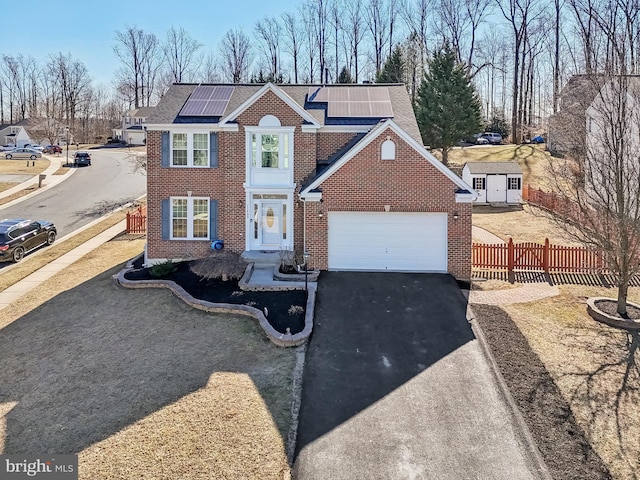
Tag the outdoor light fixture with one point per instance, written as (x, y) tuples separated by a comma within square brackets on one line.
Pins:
[(455, 215)]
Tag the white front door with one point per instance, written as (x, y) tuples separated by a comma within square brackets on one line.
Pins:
[(496, 188), (269, 224)]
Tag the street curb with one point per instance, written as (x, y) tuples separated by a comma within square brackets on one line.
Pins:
[(535, 455), (33, 181), (296, 401)]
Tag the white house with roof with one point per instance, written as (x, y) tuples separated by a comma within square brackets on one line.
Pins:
[(132, 131), (14, 135), (494, 182)]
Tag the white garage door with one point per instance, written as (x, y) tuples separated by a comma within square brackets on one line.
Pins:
[(413, 242)]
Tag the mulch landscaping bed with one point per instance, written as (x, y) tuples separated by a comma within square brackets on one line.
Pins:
[(285, 309), (561, 441)]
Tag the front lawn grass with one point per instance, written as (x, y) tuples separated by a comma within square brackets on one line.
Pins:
[(139, 384)]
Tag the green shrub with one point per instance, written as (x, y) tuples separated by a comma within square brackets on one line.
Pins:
[(161, 270)]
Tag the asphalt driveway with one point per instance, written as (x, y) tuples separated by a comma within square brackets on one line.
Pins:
[(397, 386)]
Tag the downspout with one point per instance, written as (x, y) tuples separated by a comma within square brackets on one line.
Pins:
[(304, 224)]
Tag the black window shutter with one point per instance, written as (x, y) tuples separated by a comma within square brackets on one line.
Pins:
[(213, 219), (213, 149), (166, 219), (165, 149)]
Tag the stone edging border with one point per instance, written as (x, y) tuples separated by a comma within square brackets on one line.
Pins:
[(280, 339), (602, 317)]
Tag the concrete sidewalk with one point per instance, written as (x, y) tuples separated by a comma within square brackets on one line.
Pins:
[(50, 180), (27, 284)]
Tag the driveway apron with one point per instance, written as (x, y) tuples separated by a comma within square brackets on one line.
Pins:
[(396, 386)]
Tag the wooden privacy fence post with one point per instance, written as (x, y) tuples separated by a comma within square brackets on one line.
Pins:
[(545, 256), (510, 255)]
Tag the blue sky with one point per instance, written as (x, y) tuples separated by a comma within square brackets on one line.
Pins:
[(86, 28)]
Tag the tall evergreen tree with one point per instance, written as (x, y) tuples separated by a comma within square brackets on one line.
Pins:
[(448, 107), (345, 76), (394, 69)]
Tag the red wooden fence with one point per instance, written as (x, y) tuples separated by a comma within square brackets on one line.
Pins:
[(137, 220), (536, 257)]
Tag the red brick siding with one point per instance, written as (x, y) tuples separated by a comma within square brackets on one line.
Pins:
[(330, 143), (224, 183), (408, 184)]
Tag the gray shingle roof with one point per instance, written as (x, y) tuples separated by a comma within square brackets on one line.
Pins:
[(169, 107), (494, 167)]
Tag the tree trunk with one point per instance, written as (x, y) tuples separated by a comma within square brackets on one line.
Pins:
[(623, 289), (445, 156)]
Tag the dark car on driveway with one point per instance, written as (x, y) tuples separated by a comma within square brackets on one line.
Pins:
[(53, 149), (82, 158), (19, 237)]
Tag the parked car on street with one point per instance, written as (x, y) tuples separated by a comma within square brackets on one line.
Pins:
[(37, 148), (19, 237), (6, 148), (82, 158), (22, 153), (492, 138), (480, 140), (52, 149)]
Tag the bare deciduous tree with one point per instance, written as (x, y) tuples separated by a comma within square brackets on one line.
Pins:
[(235, 51), (377, 19), (268, 32), (138, 52), (601, 179), (180, 54), (293, 43)]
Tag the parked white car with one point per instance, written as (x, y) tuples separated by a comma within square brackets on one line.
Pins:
[(493, 138), (22, 153)]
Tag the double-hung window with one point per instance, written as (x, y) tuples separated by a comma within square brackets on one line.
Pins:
[(189, 218), (270, 150), (189, 149)]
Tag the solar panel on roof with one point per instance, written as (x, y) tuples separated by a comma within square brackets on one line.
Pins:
[(207, 101), (353, 101)]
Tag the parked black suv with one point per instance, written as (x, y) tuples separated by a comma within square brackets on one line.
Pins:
[(19, 237)]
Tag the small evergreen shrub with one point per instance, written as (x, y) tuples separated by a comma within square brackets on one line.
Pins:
[(161, 270)]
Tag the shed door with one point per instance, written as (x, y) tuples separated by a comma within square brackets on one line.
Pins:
[(496, 188), (381, 241)]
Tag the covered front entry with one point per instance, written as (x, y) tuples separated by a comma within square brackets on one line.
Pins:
[(269, 223), (388, 241)]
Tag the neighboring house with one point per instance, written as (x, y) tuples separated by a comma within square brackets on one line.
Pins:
[(132, 131), (45, 131), (15, 135), (338, 171), (567, 127), (494, 182)]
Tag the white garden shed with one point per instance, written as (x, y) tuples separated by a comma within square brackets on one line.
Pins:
[(495, 182)]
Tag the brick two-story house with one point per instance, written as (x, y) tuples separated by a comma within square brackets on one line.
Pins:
[(339, 171)]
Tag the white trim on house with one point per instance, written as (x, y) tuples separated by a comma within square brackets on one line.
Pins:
[(189, 127), (190, 217), (280, 94), (387, 124), (346, 128)]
